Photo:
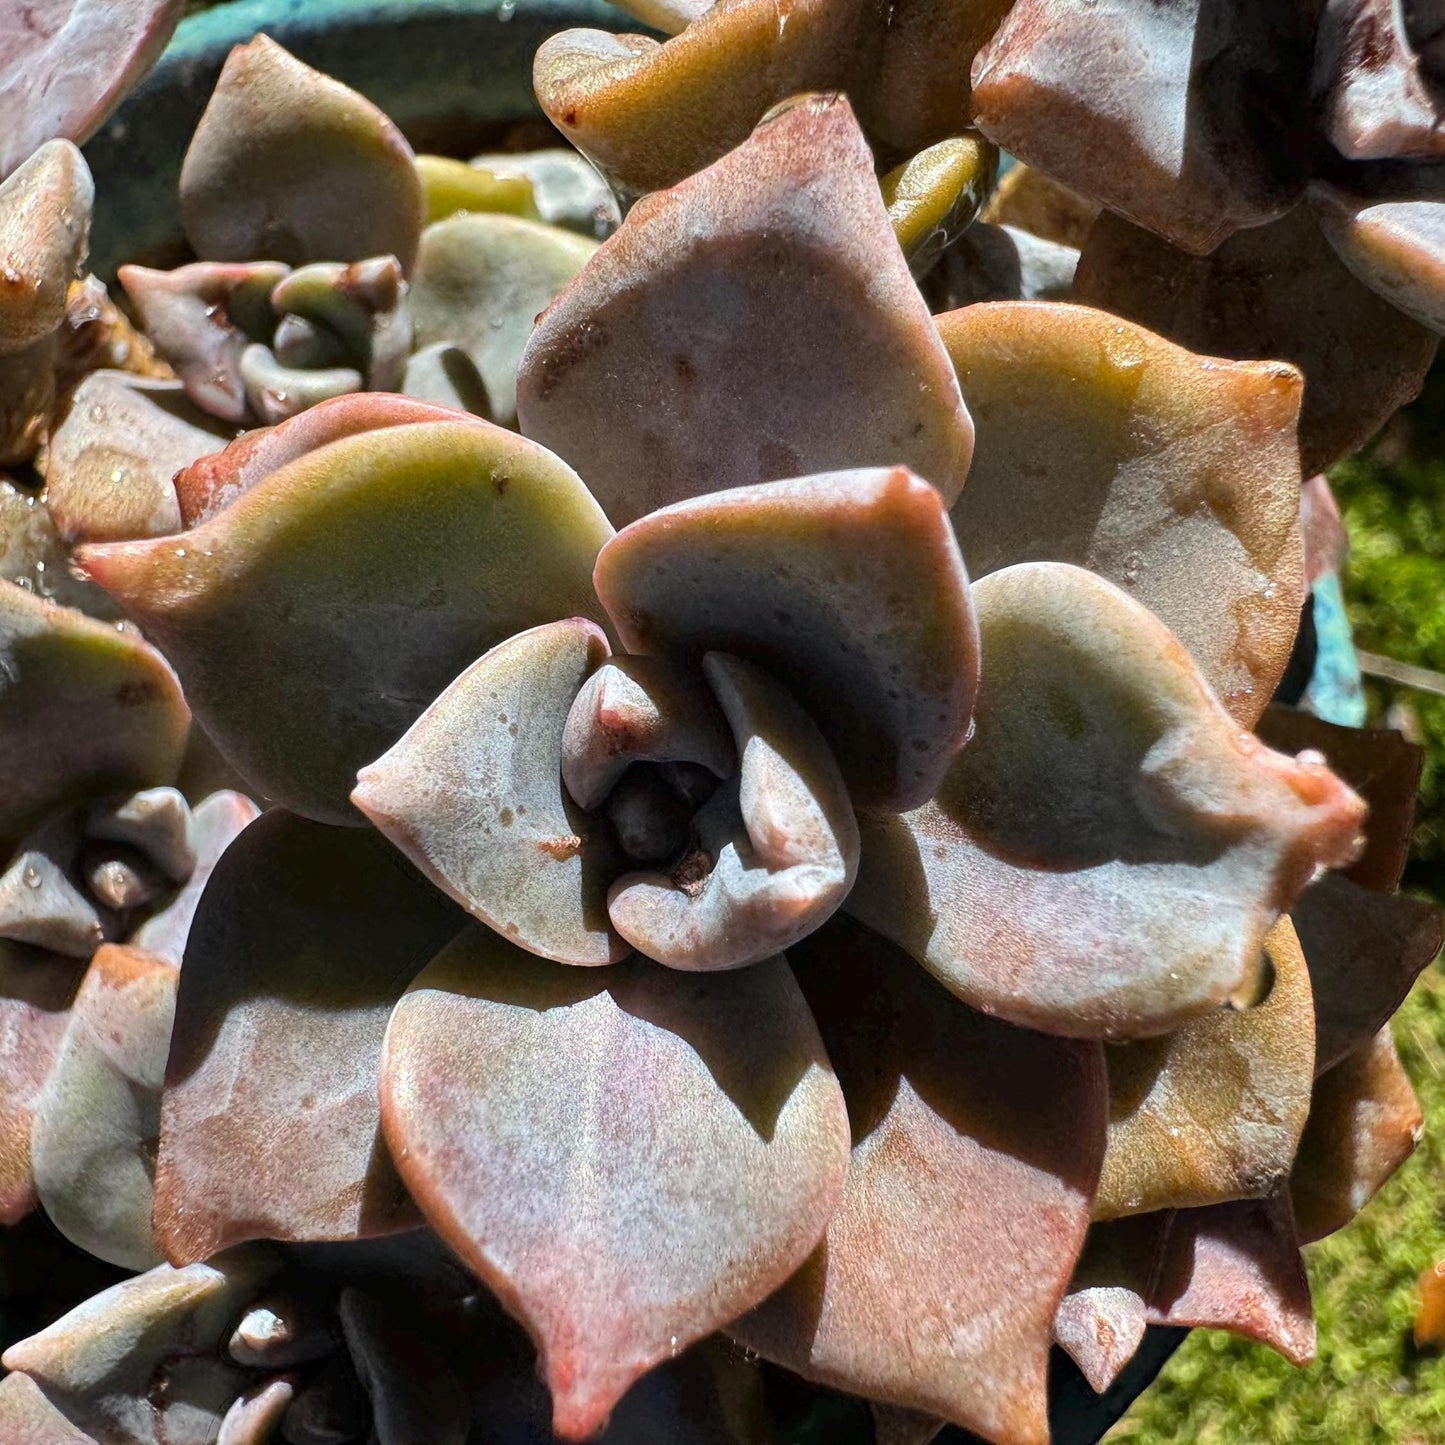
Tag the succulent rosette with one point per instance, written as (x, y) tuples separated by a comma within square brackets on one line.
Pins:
[(776, 843)]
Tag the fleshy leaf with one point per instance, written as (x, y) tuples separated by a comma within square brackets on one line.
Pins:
[(214, 482), (1109, 850), (44, 231), (305, 939), (275, 393), (920, 92), (828, 357), (364, 304), (66, 65), (934, 195), (1175, 476), (114, 457), (451, 186), (671, 17), (33, 556), (40, 905), (848, 587), (28, 1418), (1100, 1327), (473, 795), (444, 375), (1258, 297), (86, 709), (1230, 1266), (141, 1361), (1380, 765), (976, 1151), (157, 821), (641, 709), (1365, 949), (895, 1425), (202, 318), (216, 822), (254, 1417), (1396, 247), (481, 281), (630, 1158), (27, 399), (648, 115), (781, 841), (99, 1113), (291, 165), (567, 189), (317, 615), (1042, 206), (1186, 117), (1214, 1111), (1377, 97), (36, 990), (1364, 1123)]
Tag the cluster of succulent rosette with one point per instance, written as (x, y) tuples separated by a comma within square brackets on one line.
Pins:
[(687, 762)]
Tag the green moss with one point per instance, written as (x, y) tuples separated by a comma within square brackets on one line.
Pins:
[(1368, 1383)]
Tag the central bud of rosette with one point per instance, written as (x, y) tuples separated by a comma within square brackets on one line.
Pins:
[(788, 650), (718, 781)]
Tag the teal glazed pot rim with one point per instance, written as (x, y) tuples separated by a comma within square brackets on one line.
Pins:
[(453, 74)]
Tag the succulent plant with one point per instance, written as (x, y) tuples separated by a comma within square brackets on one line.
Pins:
[(786, 875)]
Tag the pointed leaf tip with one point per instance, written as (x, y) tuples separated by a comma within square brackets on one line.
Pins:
[(436, 540), (848, 587), (473, 795), (1104, 795), (289, 164), (829, 358), (629, 1157)]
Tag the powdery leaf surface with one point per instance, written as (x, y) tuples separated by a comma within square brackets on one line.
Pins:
[(28, 1418), (65, 66), (1258, 297), (293, 166), (305, 939), (781, 837), (86, 708), (96, 1123), (976, 1148), (650, 114), (156, 1336), (920, 91), (44, 234), (317, 616), (1380, 764), (1109, 849), (630, 1157), (36, 990), (1182, 115), (481, 280), (473, 795), (778, 333), (212, 483), (1378, 97), (114, 457), (1173, 475), (1395, 246), (847, 587), (1213, 1111), (1233, 1267)]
